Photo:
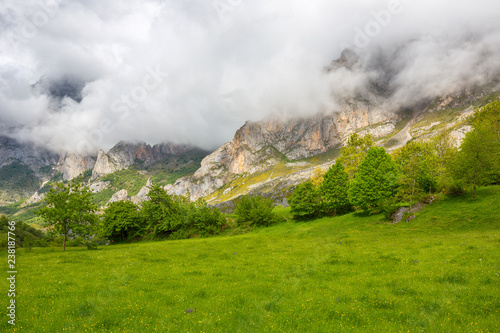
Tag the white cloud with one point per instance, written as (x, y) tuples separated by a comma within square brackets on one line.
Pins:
[(226, 64)]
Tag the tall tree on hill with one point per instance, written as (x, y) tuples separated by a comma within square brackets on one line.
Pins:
[(353, 153), (334, 190), (69, 210), (375, 180)]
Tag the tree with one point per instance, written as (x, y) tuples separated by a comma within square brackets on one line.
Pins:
[(163, 212), (473, 164), (121, 221), (353, 153), (486, 122), (334, 190), (416, 162), (305, 201), (256, 211), (478, 160), (375, 180), (489, 118), (207, 220), (69, 210), (445, 155)]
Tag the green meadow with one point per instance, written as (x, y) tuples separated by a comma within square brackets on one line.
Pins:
[(353, 273)]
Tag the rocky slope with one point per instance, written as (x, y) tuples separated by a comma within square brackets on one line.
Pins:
[(23, 168), (124, 154), (258, 146), (29, 154), (249, 162)]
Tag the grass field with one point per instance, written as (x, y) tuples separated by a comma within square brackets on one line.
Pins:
[(437, 273)]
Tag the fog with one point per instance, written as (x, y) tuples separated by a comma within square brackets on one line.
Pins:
[(77, 76)]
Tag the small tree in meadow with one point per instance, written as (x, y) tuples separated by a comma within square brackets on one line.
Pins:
[(305, 201), (375, 180), (256, 211), (163, 213), (69, 210), (334, 190), (206, 220), (121, 221), (353, 153)]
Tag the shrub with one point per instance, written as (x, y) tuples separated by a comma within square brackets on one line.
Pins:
[(305, 202), (256, 211)]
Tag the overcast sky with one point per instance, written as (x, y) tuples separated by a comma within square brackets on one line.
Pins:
[(193, 71)]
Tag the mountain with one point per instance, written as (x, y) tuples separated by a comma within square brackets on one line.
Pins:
[(270, 156), (26, 169), (273, 156), (124, 154), (23, 168)]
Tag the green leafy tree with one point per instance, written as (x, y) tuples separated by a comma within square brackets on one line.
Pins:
[(121, 221), (478, 160), (256, 211), (416, 162), (486, 122), (318, 176), (489, 118), (334, 190), (305, 201), (69, 210), (473, 165), (163, 212), (375, 180), (353, 153), (445, 155), (206, 220)]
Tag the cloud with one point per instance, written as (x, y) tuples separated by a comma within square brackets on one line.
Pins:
[(194, 71)]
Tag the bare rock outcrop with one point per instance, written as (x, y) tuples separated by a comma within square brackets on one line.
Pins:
[(104, 165), (125, 154), (99, 186), (143, 193), (73, 165), (121, 195)]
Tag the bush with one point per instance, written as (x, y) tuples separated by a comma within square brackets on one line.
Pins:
[(206, 220), (305, 203), (256, 211), (454, 189), (75, 242), (121, 222), (388, 207)]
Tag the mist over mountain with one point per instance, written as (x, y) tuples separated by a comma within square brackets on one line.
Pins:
[(77, 76)]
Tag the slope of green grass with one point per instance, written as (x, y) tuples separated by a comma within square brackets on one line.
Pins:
[(437, 273)]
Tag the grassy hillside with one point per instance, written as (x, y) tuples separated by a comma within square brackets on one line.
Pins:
[(437, 273)]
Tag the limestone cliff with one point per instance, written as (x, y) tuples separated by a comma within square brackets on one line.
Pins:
[(104, 165), (73, 165), (258, 146)]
